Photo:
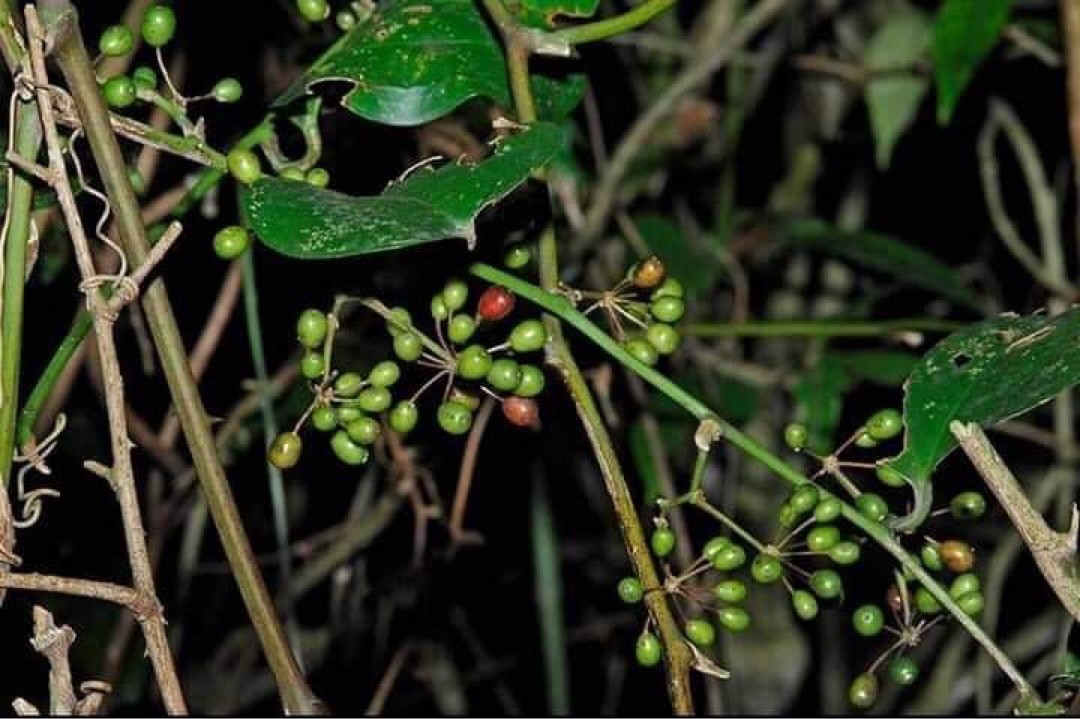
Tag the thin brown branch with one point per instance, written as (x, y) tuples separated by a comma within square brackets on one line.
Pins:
[(466, 473)]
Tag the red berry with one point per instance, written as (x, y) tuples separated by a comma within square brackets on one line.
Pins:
[(521, 411), (496, 303)]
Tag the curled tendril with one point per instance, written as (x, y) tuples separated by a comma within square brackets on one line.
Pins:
[(34, 454)]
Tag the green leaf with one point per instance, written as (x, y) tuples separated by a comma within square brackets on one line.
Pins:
[(886, 367), (694, 268), (544, 13), (819, 400), (645, 463), (415, 60), (964, 32), (894, 94), (883, 253), (985, 373), (306, 222)]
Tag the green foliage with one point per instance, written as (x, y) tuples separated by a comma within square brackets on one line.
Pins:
[(306, 222), (964, 33), (895, 89), (819, 398), (544, 13), (695, 270), (416, 60), (985, 373)]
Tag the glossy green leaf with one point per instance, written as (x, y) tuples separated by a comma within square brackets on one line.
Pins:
[(964, 33), (306, 222), (894, 94), (415, 60), (985, 373), (687, 263), (883, 253), (819, 400), (885, 367)]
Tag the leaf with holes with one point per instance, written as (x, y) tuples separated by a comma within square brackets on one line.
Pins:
[(415, 60), (985, 373), (544, 13), (894, 93), (964, 33), (307, 222)]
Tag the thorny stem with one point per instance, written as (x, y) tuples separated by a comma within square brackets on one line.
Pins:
[(121, 473), (677, 656), (561, 308), (76, 66)]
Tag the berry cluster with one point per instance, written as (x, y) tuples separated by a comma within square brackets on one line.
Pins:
[(347, 403), (650, 301)]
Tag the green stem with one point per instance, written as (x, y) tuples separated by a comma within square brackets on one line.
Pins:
[(561, 307), (817, 328), (76, 66), (609, 27), (69, 345), (698, 500), (549, 597), (21, 199)]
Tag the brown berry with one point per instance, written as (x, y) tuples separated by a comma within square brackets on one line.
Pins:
[(956, 555), (521, 411), (649, 273), (495, 304), (894, 599)]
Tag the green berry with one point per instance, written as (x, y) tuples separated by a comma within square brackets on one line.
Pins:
[(872, 506), (517, 257), (968, 505), (926, 602), (408, 347), (642, 350), (399, 322), (822, 538), (324, 419), (364, 430), (158, 25), (766, 569), (868, 620), (312, 365), (461, 329), (805, 498), (884, 424), (971, 603), (144, 77), (804, 604), (826, 584), (528, 336), (244, 165), (845, 553), (119, 91), (231, 242), (348, 384), (964, 584), (532, 381), (828, 510), (667, 309), (863, 691), (117, 40), (311, 328), (384, 374), (662, 541), (284, 451), (347, 450), (403, 417), (731, 591), (796, 436), (374, 399), (228, 90), (701, 632), (466, 399), (670, 287), (313, 10), (473, 362), (729, 558), (438, 308), (903, 670), (734, 619), (345, 20), (663, 337), (455, 294), (317, 177), (292, 173), (786, 516), (865, 441), (504, 375), (648, 650), (889, 476), (454, 417), (931, 559), (348, 413), (630, 590), (714, 546)]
